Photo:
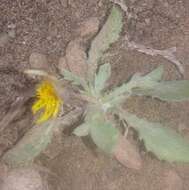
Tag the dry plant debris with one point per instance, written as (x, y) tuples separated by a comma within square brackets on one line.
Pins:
[(168, 54)]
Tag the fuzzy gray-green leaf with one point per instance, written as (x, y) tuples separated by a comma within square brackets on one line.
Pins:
[(108, 34), (155, 75), (82, 130), (138, 82), (165, 143), (74, 78), (31, 145), (167, 90), (102, 76), (103, 133)]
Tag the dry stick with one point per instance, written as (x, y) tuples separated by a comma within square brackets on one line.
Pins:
[(166, 53)]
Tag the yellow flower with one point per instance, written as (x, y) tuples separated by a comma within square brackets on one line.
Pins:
[(47, 100)]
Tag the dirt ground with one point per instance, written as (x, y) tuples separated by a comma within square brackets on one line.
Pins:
[(46, 27)]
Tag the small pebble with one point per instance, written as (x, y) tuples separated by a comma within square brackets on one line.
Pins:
[(38, 61), (11, 26), (147, 21), (88, 28), (76, 58), (127, 154)]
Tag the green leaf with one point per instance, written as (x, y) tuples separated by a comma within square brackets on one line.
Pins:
[(155, 75), (82, 130), (162, 141), (118, 91), (167, 90), (74, 78), (31, 145), (103, 133), (108, 34), (102, 76), (137, 82)]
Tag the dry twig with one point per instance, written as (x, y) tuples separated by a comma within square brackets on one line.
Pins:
[(166, 53)]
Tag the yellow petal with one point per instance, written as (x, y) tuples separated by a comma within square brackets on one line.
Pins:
[(45, 115), (39, 104), (48, 100), (56, 109)]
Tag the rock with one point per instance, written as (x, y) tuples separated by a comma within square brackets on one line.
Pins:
[(11, 26), (172, 181), (38, 61), (4, 39), (88, 28), (100, 3), (76, 58), (127, 154)]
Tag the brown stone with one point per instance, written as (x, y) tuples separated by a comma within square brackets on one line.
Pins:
[(88, 28), (127, 154), (38, 61), (76, 58)]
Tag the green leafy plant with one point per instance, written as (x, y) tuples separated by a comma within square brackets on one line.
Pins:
[(103, 105), (162, 141)]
